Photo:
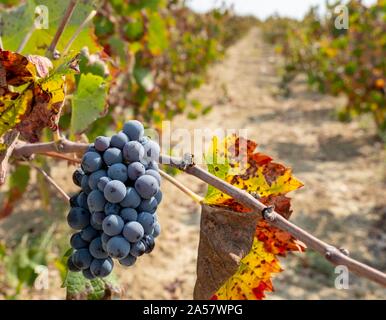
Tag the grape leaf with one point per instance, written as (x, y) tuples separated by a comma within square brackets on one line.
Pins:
[(37, 96), (18, 69), (80, 288), (89, 101), (17, 22), (236, 161)]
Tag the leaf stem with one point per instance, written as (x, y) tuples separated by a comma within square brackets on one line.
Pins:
[(197, 198)]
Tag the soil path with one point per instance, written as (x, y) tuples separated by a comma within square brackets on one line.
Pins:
[(341, 165)]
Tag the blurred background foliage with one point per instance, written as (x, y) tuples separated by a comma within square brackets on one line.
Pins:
[(349, 62)]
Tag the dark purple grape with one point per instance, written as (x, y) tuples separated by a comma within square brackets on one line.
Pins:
[(112, 155), (91, 162), (118, 171), (115, 191), (118, 140), (78, 218), (146, 186), (133, 129), (77, 176), (131, 199), (133, 231), (102, 143), (135, 170), (133, 151)]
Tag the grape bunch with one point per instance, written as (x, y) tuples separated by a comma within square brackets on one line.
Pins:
[(114, 214)]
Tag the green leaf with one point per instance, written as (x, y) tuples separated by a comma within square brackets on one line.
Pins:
[(88, 103), (157, 34), (19, 21), (144, 78), (80, 288)]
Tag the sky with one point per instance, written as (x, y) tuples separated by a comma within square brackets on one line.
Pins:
[(263, 8)]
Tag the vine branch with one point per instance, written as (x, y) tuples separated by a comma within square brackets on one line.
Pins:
[(332, 254), (67, 15)]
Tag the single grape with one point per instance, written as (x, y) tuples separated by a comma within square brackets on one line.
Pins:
[(154, 174), (84, 185), (102, 143), (96, 249), (131, 199), (77, 242), (133, 151), (115, 191), (89, 233), (133, 231), (88, 274), (82, 200), (137, 249), (112, 155), (117, 247), (149, 243), (147, 221), (112, 225), (71, 266), (146, 186), (118, 140), (152, 151), (94, 177), (101, 267), (157, 229), (91, 162), (77, 176), (153, 165), (118, 171), (78, 218), (112, 208), (133, 129), (158, 196), (128, 214), (98, 216), (135, 170), (128, 261), (102, 183), (74, 201), (82, 258), (96, 201), (148, 205)]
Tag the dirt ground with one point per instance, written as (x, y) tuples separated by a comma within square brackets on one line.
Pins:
[(341, 165)]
